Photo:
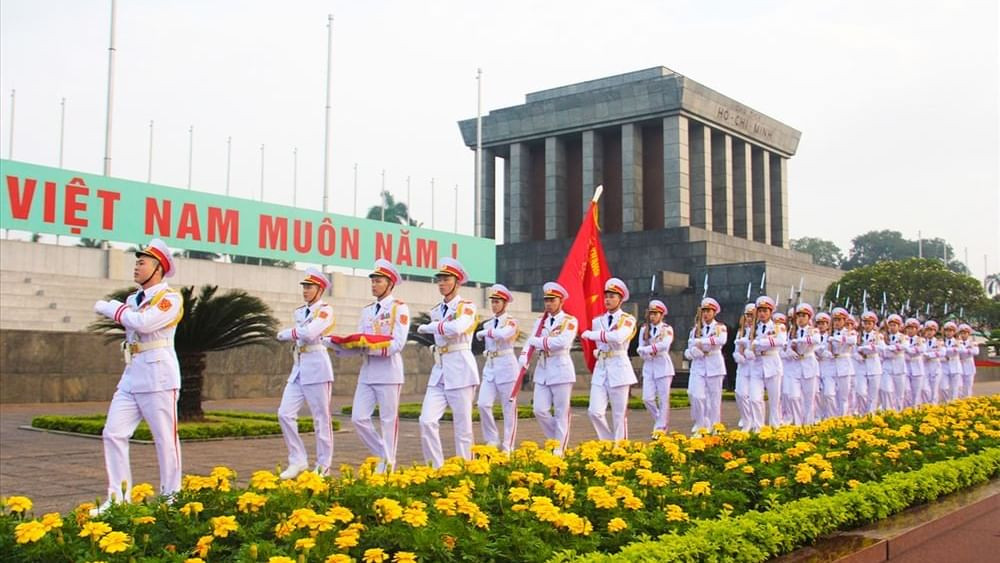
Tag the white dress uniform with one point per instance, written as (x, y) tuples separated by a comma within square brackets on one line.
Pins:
[(968, 350), (933, 355), (870, 350), (841, 346), (150, 383), (613, 374), (708, 369), (766, 369), (310, 382), (554, 373), (828, 407), (953, 367), (743, 367), (657, 371), (804, 344), (452, 381), (894, 365), (913, 349), (499, 375), (381, 378)]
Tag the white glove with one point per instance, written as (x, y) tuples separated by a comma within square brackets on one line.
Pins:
[(644, 350), (107, 308), (738, 358), (590, 334), (426, 329), (750, 356), (522, 361), (480, 335), (696, 353), (285, 335), (535, 342), (99, 306)]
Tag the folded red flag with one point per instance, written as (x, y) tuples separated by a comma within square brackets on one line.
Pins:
[(359, 340)]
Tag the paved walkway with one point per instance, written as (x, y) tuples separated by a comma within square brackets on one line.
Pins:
[(59, 471)]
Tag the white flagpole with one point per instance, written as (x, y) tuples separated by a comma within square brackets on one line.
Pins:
[(456, 209), (262, 172), (190, 154), (479, 159), (409, 211), (111, 91), (229, 160), (10, 142), (62, 133), (381, 196), (355, 189), (326, 135), (432, 203), (149, 165), (295, 176)]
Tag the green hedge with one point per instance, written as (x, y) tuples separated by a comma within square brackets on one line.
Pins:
[(678, 400), (759, 536), (412, 410), (217, 424)]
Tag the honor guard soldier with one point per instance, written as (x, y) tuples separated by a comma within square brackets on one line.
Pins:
[(149, 385), (455, 374), (708, 368), (499, 371), (894, 361), (804, 341), (968, 351), (613, 373), (952, 362), (381, 378), (741, 350), (554, 376), (311, 380), (768, 339), (870, 345), (842, 340), (914, 352), (827, 400), (933, 359), (655, 338)]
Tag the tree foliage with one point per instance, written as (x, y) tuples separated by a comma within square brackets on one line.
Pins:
[(922, 282), (877, 246), (824, 252), (391, 211)]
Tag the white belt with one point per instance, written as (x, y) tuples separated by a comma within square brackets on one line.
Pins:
[(490, 355), (809, 355), (309, 348), (130, 349), (442, 350), (768, 353), (602, 355)]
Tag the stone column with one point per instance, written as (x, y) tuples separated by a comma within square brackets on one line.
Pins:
[(779, 201), (555, 188), (701, 175), (761, 195), (676, 181), (520, 198), (506, 197), (631, 177), (722, 183), (742, 200), (487, 207), (592, 150)]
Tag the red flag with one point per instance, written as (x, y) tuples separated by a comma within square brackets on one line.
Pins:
[(583, 275)]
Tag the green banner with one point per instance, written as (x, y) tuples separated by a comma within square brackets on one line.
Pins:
[(41, 199)]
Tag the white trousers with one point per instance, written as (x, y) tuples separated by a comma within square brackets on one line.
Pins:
[(489, 393), (956, 385), (656, 397), (696, 397), (127, 410), (600, 396), (757, 387), (743, 399), (801, 399), (967, 380), (917, 393), (551, 406), (386, 396), (436, 400), (712, 410), (932, 389), (317, 397)]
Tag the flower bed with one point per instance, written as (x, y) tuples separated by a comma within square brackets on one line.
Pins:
[(718, 494), (217, 424), (412, 411)]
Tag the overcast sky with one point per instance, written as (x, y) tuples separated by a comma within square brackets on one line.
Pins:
[(897, 101)]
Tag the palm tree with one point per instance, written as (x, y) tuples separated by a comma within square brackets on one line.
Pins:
[(256, 261), (211, 323), (199, 254), (91, 243), (392, 211)]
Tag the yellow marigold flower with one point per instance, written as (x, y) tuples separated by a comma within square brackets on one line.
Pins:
[(263, 480), (250, 502), (632, 503), (305, 543), (194, 560), (301, 517), (853, 483), (19, 504), (338, 558), (311, 481), (115, 542), (222, 472), (748, 469), (222, 525), (804, 474), (449, 470), (518, 494), (701, 488), (52, 520), (404, 557), (192, 508), (280, 559), (826, 475), (780, 481), (764, 482), (387, 509), (144, 520), (375, 555), (204, 544), (346, 539), (450, 541), (340, 514), (415, 517), (616, 525), (322, 523), (477, 467), (283, 529), (94, 530), (29, 532), (519, 507), (675, 513), (142, 491)]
